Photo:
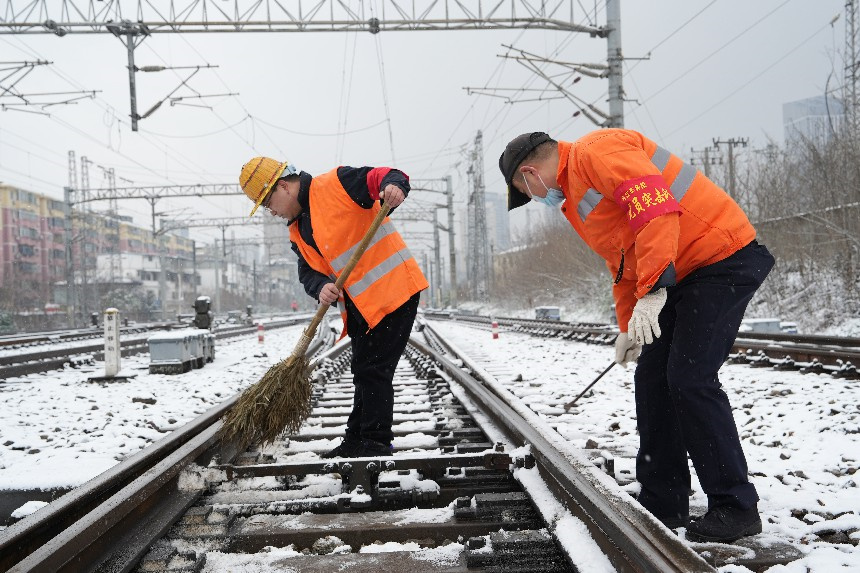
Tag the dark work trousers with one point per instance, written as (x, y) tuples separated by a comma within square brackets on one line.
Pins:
[(680, 406), (375, 354)]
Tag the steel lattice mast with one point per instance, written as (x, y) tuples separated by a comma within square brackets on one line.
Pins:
[(479, 247), (852, 61)]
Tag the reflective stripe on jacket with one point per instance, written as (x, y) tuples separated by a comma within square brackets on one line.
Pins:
[(612, 177), (386, 275)]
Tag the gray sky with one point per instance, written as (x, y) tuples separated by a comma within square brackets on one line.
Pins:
[(716, 69)]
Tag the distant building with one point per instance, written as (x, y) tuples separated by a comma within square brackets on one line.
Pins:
[(107, 252), (498, 222), (282, 281), (32, 248), (815, 118)]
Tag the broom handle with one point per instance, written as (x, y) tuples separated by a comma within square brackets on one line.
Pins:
[(311, 330)]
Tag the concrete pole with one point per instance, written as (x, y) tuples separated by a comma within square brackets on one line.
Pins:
[(194, 269), (216, 260), (732, 191), (437, 248), (162, 272), (452, 253), (614, 59), (71, 294), (707, 163), (132, 88), (428, 272)]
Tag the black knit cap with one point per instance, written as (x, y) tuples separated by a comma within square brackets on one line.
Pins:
[(517, 150)]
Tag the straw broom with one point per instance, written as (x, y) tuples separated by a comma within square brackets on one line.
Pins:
[(281, 400)]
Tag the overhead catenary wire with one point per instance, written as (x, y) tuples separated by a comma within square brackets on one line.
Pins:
[(105, 106), (252, 145), (714, 53), (647, 110), (381, 63), (671, 34), (222, 120), (325, 134), (755, 77), (568, 39), (345, 95), (192, 167), (630, 68), (198, 135)]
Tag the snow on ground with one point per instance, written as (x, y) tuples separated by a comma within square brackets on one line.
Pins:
[(800, 432), (60, 430)]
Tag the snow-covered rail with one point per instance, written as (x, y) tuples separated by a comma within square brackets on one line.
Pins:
[(477, 482), (837, 356), (64, 352)]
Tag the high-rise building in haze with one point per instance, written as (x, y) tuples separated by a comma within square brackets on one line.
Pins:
[(814, 118)]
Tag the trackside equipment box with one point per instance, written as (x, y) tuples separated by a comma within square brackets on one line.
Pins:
[(548, 312), (180, 351)]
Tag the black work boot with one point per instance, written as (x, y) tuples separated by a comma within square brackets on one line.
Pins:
[(674, 522), (350, 447), (371, 448), (724, 524)]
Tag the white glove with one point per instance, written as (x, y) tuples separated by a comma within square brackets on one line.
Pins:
[(626, 349), (644, 319)]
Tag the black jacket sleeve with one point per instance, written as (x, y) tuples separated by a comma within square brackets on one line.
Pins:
[(311, 279), (355, 182)]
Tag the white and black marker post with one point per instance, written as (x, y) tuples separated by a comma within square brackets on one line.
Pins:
[(113, 350), (113, 354)]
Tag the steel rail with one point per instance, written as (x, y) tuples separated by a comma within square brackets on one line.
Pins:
[(66, 335), (826, 348), (823, 354), (92, 541), (138, 495), (631, 539), (24, 358), (594, 327), (47, 360)]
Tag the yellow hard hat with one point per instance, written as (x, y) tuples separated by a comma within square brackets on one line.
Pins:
[(257, 178)]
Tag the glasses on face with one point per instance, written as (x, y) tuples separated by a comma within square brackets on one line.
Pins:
[(268, 199)]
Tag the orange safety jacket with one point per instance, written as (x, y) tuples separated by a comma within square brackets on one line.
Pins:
[(642, 208), (386, 275)]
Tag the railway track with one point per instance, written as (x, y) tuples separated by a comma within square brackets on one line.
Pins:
[(477, 482), (818, 354), (26, 361), (20, 341)]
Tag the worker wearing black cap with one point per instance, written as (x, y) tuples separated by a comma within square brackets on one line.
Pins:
[(684, 264)]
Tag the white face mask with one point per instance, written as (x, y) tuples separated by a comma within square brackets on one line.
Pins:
[(554, 197)]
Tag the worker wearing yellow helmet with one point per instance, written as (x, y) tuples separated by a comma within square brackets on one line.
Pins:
[(328, 216)]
